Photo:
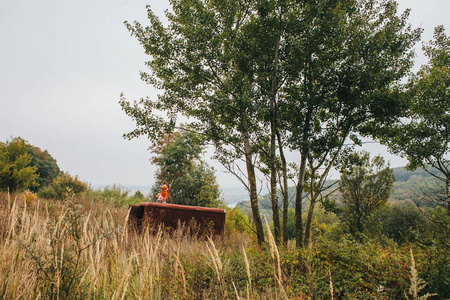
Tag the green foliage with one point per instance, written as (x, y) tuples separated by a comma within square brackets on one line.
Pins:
[(138, 196), (402, 222), (23, 166), (237, 221), (365, 186), (47, 168), (317, 72), (433, 249), (80, 249), (63, 184), (118, 195), (422, 135), (428, 137), (191, 181), (16, 173)]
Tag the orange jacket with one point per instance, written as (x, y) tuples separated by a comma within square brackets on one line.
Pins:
[(164, 190)]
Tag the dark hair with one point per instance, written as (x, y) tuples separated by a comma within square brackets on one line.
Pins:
[(164, 182)]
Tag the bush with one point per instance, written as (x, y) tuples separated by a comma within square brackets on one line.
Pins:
[(29, 197), (118, 195), (401, 222), (61, 185), (237, 221)]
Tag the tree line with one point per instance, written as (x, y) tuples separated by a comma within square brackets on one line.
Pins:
[(260, 78), (27, 167)]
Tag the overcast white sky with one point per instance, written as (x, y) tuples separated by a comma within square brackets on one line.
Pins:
[(63, 65)]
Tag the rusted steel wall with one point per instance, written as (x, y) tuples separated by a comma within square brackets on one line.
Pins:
[(170, 215)]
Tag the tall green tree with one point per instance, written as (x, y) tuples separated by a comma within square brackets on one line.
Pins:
[(348, 57), (16, 174), (47, 167), (365, 186), (190, 180), (203, 62), (422, 136), (257, 75)]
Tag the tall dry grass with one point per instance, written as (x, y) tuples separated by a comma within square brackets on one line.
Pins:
[(83, 248)]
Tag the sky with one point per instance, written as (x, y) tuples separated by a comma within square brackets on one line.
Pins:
[(64, 64)]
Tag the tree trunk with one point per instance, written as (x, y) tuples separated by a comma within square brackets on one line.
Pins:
[(273, 192), (309, 221), (273, 181), (298, 203), (273, 130), (301, 181), (284, 189), (252, 180), (313, 199), (447, 193)]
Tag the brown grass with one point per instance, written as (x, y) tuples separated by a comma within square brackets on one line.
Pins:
[(84, 248)]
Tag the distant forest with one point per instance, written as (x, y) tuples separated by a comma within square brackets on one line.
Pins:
[(418, 186)]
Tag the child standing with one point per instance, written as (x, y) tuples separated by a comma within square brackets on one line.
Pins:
[(164, 191)]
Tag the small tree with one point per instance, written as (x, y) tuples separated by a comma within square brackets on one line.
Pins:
[(15, 170), (365, 186), (191, 181)]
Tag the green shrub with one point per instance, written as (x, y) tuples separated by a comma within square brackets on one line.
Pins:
[(61, 185), (237, 221), (118, 195), (401, 222)]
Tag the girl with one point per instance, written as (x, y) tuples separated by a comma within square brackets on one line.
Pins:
[(164, 191)]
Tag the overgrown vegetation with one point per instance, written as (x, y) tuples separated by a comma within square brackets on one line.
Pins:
[(82, 247)]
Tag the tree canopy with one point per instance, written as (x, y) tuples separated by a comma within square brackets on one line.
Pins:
[(191, 181), (47, 167), (365, 186), (422, 134), (16, 173), (260, 77)]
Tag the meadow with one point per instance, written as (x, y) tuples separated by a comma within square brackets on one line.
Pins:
[(83, 248)]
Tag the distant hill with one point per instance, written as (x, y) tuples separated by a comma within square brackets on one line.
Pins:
[(409, 186)]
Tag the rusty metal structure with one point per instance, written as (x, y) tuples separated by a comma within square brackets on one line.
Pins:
[(205, 219)]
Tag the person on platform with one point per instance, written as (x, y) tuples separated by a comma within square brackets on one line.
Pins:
[(164, 191)]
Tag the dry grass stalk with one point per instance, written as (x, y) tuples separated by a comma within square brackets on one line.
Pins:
[(331, 284), (236, 291), (276, 259), (217, 263), (247, 268), (417, 283), (274, 252), (183, 278)]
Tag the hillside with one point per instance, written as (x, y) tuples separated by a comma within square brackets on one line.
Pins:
[(409, 186)]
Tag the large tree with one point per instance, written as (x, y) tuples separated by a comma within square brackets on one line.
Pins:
[(203, 62), (348, 57), (422, 135), (254, 75), (16, 173)]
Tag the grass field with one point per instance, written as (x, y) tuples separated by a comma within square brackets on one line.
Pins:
[(83, 248)]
